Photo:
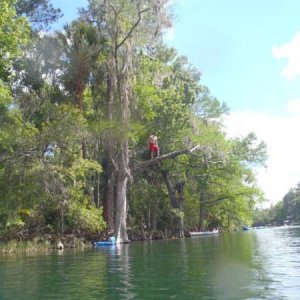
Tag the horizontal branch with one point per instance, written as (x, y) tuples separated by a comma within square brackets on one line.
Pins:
[(153, 161)]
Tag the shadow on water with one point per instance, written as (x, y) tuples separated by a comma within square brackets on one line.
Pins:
[(259, 264)]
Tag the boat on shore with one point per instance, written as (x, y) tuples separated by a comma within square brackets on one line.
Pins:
[(200, 233)]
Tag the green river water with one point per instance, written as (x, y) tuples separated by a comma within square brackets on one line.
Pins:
[(256, 264)]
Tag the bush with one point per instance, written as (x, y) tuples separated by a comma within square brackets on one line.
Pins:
[(85, 219)]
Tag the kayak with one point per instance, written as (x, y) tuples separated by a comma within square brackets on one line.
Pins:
[(103, 243), (111, 242)]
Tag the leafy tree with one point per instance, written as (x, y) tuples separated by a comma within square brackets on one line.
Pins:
[(90, 95), (53, 184), (128, 26), (225, 181), (288, 209), (80, 48), (13, 33), (41, 171)]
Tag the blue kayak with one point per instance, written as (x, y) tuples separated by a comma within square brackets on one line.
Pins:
[(111, 241)]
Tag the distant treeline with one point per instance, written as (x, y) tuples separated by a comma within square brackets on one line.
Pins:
[(285, 212)]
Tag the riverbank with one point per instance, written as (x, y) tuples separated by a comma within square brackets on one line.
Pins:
[(43, 244), (49, 242)]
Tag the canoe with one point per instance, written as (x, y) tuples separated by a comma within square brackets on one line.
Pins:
[(199, 233)]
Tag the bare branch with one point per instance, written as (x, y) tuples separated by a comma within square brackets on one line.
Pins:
[(163, 157), (112, 7), (132, 28)]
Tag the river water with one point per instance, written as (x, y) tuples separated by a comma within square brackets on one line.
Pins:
[(256, 264)]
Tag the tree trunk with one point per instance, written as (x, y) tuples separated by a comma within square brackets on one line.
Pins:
[(120, 68), (80, 86), (180, 189), (109, 190), (171, 192), (175, 202), (108, 193), (121, 196), (121, 210), (202, 213)]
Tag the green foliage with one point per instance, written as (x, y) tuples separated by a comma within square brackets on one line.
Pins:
[(249, 150), (5, 100), (81, 95), (13, 33), (45, 179), (208, 107), (150, 209), (84, 219), (286, 210)]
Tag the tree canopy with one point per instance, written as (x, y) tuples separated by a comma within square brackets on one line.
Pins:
[(76, 113)]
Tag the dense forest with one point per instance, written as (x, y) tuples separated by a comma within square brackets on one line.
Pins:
[(76, 109)]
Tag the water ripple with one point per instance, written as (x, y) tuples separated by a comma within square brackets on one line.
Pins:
[(261, 264)]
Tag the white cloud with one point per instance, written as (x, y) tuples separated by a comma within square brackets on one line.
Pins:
[(169, 34), (293, 106), (281, 134), (290, 51)]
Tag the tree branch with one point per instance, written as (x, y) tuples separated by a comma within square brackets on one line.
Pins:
[(148, 163), (132, 28)]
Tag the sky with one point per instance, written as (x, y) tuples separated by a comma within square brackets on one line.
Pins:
[(248, 52)]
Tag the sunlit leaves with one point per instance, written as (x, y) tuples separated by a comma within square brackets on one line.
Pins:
[(85, 219), (13, 32)]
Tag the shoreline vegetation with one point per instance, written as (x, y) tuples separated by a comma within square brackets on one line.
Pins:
[(43, 244), (49, 242)]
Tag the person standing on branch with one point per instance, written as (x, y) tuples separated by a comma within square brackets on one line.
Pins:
[(153, 146)]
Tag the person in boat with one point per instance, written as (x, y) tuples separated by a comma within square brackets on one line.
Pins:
[(153, 145), (112, 239)]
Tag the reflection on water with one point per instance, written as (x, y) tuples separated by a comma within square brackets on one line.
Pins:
[(257, 264)]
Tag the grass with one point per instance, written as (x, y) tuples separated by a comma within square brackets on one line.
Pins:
[(24, 247)]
